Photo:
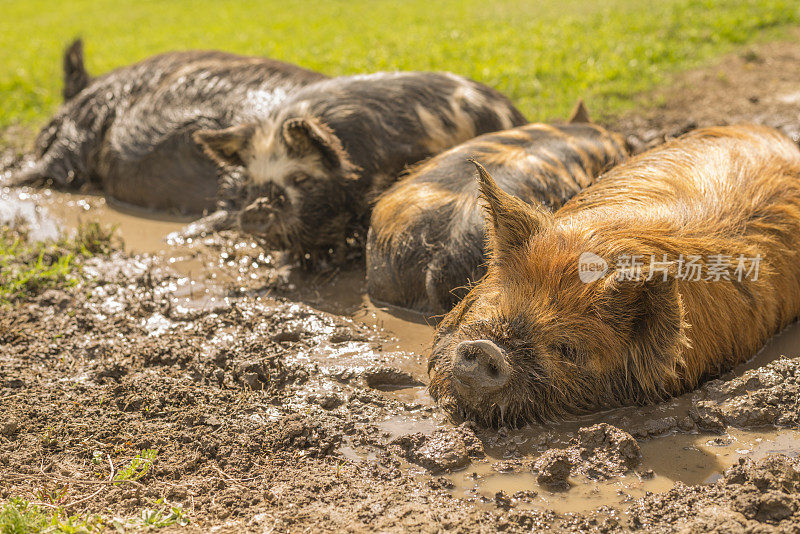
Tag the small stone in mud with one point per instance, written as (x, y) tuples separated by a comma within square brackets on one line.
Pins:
[(686, 424), (9, 427), (441, 483), (525, 495), (345, 335), (648, 474), (720, 441), (554, 467), (507, 466), (502, 500), (287, 336), (328, 401)]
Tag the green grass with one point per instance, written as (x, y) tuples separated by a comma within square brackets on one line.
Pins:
[(137, 467), (50, 510), (27, 269), (543, 54), (18, 516)]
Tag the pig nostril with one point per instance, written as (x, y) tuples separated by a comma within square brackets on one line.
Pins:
[(480, 364)]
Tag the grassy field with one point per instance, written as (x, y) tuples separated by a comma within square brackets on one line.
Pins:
[(543, 54)]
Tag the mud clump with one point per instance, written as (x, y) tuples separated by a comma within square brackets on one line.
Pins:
[(329, 401), (752, 496), (769, 395), (445, 450), (606, 451), (316, 437), (554, 467), (388, 378), (599, 453)]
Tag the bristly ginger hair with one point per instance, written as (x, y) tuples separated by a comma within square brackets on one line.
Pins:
[(575, 347)]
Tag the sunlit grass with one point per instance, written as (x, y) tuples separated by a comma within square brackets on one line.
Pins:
[(543, 54), (18, 516)]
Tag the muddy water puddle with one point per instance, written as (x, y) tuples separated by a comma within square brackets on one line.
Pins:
[(207, 276), (687, 457)]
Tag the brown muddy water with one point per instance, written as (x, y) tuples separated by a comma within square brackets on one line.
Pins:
[(691, 457)]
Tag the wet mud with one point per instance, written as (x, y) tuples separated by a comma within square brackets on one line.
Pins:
[(279, 400)]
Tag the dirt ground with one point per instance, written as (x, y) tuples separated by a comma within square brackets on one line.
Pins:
[(760, 84), (269, 414)]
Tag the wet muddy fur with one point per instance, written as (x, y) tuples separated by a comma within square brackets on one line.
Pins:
[(313, 167), (130, 131), (549, 344), (426, 241)]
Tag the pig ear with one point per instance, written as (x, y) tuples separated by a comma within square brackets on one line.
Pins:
[(650, 313), (306, 135), (510, 221), (579, 113), (228, 146)]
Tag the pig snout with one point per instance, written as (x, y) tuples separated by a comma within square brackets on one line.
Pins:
[(480, 366), (258, 217)]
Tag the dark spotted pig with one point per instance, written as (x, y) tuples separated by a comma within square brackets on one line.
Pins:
[(130, 130), (564, 323), (313, 166), (426, 241)]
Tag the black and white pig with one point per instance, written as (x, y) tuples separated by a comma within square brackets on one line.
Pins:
[(130, 130), (313, 166)]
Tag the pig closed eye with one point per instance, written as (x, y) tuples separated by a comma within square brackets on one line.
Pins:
[(297, 179), (493, 370)]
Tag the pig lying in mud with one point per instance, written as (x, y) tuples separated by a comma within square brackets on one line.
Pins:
[(313, 166), (542, 335), (426, 240), (130, 130)]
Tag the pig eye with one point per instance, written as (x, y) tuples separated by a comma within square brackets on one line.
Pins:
[(297, 179)]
